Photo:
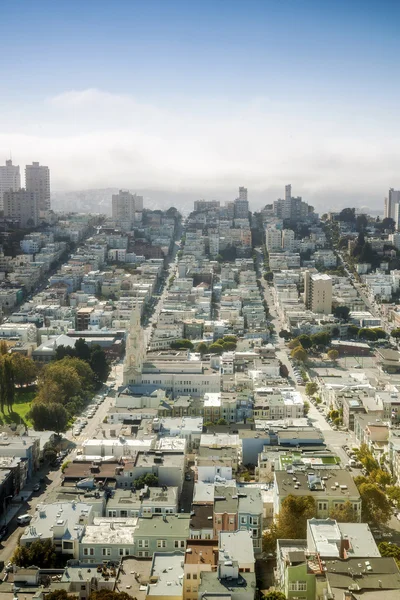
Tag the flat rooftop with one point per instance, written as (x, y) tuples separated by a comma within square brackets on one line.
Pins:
[(167, 567)]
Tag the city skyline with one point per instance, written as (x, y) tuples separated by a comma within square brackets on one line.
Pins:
[(203, 99)]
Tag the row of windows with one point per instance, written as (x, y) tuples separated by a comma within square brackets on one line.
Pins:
[(177, 543)]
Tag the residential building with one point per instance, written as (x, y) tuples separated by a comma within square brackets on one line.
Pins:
[(330, 491), (127, 208), (23, 206), (145, 502), (166, 576), (37, 181), (200, 556), (288, 241), (161, 533), (390, 204), (10, 179), (318, 292)]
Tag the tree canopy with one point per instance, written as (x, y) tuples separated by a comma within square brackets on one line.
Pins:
[(40, 553), (341, 312), (311, 388), (291, 522), (299, 354), (344, 513)]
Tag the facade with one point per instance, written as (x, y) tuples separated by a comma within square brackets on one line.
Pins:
[(10, 179), (161, 534), (37, 180), (127, 207), (318, 292), (22, 205)]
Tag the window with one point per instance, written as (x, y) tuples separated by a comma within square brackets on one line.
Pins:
[(298, 586), (161, 543), (88, 552), (124, 551), (157, 509), (179, 543), (68, 545), (254, 520), (322, 506), (83, 588), (143, 554), (194, 575), (106, 551), (143, 543), (124, 514), (254, 533), (112, 513), (207, 536), (243, 520), (188, 576)]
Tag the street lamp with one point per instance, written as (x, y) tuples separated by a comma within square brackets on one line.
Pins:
[(4, 506)]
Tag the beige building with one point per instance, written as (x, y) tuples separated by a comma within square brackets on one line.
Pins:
[(10, 179), (37, 179), (22, 205), (318, 292), (126, 207), (200, 556)]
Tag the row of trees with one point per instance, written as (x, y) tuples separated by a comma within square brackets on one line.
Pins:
[(15, 370), (225, 344), (64, 385)]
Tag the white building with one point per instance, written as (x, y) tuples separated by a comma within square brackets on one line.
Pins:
[(37, 180), (126, 207), (273, 239), (288, 242), (318, 292), (10, 179)]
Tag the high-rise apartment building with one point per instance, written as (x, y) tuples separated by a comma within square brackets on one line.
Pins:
[(242, 204), (203, 205), (37, 179), (273, 239), (127, 207), (390, 204), (10, 179), (23, 206), (318, 292), (288, 240)]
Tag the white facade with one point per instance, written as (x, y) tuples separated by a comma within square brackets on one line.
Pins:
[(288, 242), (127, 207), (273, 239), (37, 180), (10, 179)]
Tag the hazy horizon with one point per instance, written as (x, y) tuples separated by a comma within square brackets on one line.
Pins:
[(199, 99)]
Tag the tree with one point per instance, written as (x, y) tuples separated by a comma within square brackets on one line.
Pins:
[(299, 354), (388, 223), (216, 348), (202, 348), (321, 339), (293, 516), (344, 513), (361, 222), (221, 422), (8, 381), (274, 595), (311, 388), (306, 408), (393, 493), (305, 341), (283, 370), (178, 344), (24, 368), (294, 343), (347, 215), (341, 312), (381, 478), (368, 334), (49, 417), (230, 338), (390, 549), (109, 595), (286, 335), (395, 333), (380, 333), (60, 595), (66, 378), (353, 330), (375, 505), (98, 363), (82, 350), (333, 354), (40, 553), (366, 458), (147, 479), (229, 346)]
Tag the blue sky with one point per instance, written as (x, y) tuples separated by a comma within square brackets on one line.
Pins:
[(205, 95)]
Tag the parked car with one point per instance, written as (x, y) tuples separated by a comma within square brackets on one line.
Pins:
[(36, 487), (3, 531)]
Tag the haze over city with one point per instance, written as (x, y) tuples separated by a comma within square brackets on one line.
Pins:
[(200, 98)]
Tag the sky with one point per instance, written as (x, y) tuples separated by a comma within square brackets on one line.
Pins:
[(202, 97)]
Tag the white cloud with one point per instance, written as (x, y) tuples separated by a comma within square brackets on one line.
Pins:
[(92, 138)]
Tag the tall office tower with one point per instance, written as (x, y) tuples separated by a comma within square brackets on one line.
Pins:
[(390, 203), (385, 208), (242, 193), (242, 204), (37, 179), (127, 207), (318, 292), (288, 192), (23, 206), (10, 179)]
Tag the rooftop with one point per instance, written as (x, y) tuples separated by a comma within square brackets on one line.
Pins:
[(167, 569), (177, 525), (201, 551), (236, 546), (201, 516), (335, 483)]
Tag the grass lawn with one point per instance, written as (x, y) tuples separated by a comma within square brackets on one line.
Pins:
[(21, 407)]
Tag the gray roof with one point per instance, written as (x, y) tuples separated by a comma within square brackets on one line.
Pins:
[(225, 500), (307, 484), (168, 568), (238, 545), (250, 501), (212, 586), (373, 574), (157, 525)]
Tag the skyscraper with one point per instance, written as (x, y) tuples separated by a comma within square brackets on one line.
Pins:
[(127, 207), (37, 179), (242, 204), (390, 204), (10, 179), (22, 206), (318, 292)]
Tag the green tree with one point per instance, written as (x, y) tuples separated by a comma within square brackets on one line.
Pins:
[(347, 215), (202, 348), (390, 549), (299, 354), (60, 595), (274, 595), (221, 422), (305, 341), (8, 382), (375, 505), (49, 417), (311, 388), (286, 335), (380, 333), (333, 354), (82, 350), (293, 516), (344, 513), (147, 479), (230, 338), (306, 407), (295, 343), (393, 493), (99, 364), (40, 553), (352, 331), (216, 348), (109, 595), (64, 376), (24, 368), (178, 344), (321, 339), (228, 346), (341, 312), (395, 333)]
